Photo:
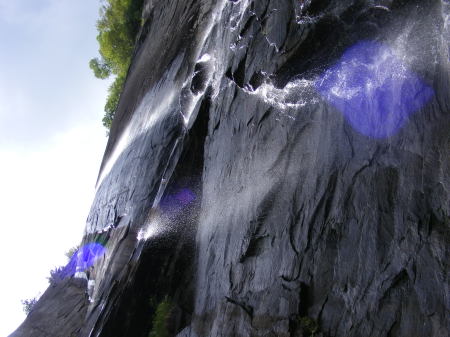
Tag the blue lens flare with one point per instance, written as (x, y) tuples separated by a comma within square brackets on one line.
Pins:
[(185, 196), (84, 258), (177, 201), (374, 89)]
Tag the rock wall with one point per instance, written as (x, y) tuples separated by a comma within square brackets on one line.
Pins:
[(277, 168)]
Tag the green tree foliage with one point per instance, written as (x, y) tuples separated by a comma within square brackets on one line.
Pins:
[(160, 319), (101, 70), (118, 26), (113, 100)]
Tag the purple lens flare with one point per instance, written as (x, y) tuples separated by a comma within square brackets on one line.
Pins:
[(374, 89), (84, 258), (177, 201)]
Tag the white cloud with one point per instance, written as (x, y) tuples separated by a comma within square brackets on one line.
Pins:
[(45, 71), (51, 140), (45, 198)]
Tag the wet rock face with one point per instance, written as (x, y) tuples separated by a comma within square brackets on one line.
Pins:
[(59, 312), (278, 168), (304, 214)]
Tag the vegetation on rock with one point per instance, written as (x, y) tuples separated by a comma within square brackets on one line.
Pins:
[(309, 326), (57, 274), (69, 254), (28, 305), (160, 319), (117, 29)]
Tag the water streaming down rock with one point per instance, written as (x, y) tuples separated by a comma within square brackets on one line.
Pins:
[(273, 166)]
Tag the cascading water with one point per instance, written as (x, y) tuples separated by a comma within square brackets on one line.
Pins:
[(276, 168)]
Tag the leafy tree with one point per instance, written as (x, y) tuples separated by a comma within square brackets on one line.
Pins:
[(117, 27), (113, 100), (101, 70)]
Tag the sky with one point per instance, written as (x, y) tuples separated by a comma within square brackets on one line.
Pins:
[(51, 141)]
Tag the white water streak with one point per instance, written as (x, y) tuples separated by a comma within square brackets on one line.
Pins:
[(148, 113), (294, 95)]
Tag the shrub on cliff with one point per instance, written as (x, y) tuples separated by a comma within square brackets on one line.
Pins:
[(117, 29), (69, 254), (57, 274), (28, 305)]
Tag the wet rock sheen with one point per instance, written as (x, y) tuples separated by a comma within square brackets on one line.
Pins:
[(275, 168)]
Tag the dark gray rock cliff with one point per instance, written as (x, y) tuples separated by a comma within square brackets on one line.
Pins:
[(274, 165)]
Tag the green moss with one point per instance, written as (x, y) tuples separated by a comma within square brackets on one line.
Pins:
[(308, 325), (160, 319)]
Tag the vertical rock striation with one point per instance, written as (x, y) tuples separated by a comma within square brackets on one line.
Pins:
[(276, 168)]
